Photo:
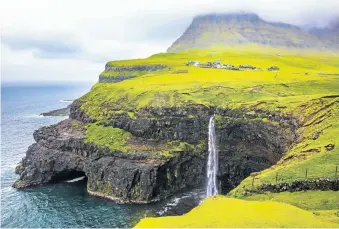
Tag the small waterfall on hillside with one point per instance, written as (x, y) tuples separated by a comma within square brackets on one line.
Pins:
[(212, 163)]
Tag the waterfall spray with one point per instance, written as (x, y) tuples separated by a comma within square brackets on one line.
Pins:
[(212, 163)]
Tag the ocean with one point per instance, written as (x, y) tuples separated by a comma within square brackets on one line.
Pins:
[(65, 204)]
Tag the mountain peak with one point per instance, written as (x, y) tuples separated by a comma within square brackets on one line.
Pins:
[(229, 29), (226, 16)]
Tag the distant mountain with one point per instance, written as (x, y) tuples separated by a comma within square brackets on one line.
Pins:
[(329, 35), (335, 25), (218, 30)]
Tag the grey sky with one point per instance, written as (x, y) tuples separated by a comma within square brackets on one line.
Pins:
[(72, 40)]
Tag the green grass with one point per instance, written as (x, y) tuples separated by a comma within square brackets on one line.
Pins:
[(309, 200), (112, 138), (328, 215), (322, 165), (76, 125), (181, 146), (131, 115), (235, 213)]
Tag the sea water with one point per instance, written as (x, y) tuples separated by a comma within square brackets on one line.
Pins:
[(65, 204)]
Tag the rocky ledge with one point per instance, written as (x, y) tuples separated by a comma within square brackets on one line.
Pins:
[(114, 74), (246, 144), (58, 112)]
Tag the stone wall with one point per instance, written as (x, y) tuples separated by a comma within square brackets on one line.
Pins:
[(304, 185)]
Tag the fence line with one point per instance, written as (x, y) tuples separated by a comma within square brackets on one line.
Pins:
[(307, 176)]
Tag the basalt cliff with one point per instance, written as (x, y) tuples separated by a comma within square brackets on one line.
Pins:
[(143, 174)]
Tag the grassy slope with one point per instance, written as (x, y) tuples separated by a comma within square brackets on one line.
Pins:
[(119, 140), (329, 215), (312, 200), (113, 138), (232, 88), (296, 90), (307, 154), (235, 213)]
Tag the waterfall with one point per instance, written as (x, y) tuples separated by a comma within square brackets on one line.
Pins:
[(212, 163)]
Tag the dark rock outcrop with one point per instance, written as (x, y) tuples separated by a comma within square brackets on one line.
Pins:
[(58, 112), (115, 79), (127, 72), (135, 68), (329, 147), (247, 146)]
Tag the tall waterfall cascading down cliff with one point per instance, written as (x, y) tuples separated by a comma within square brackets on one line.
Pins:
[(212, 163)]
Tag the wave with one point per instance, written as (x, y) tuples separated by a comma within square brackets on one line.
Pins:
[(65, 101), (75, 179), (33, 116), (181, 204)]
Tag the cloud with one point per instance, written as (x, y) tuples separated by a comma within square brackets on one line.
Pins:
[(72, 40), (42, 47), (24, 66)]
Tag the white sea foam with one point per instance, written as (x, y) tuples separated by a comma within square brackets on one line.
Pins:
[(76, 179), (65, 101), (33, 116)]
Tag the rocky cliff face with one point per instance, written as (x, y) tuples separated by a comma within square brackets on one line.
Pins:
[(218, 30), (115, 74), (60, 152), (246, 144)]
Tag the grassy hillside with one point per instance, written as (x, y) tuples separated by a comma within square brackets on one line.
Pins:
[(305, 87), (235, 213), (298, 89), (169, 88), (113, 138), (310, 200)]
